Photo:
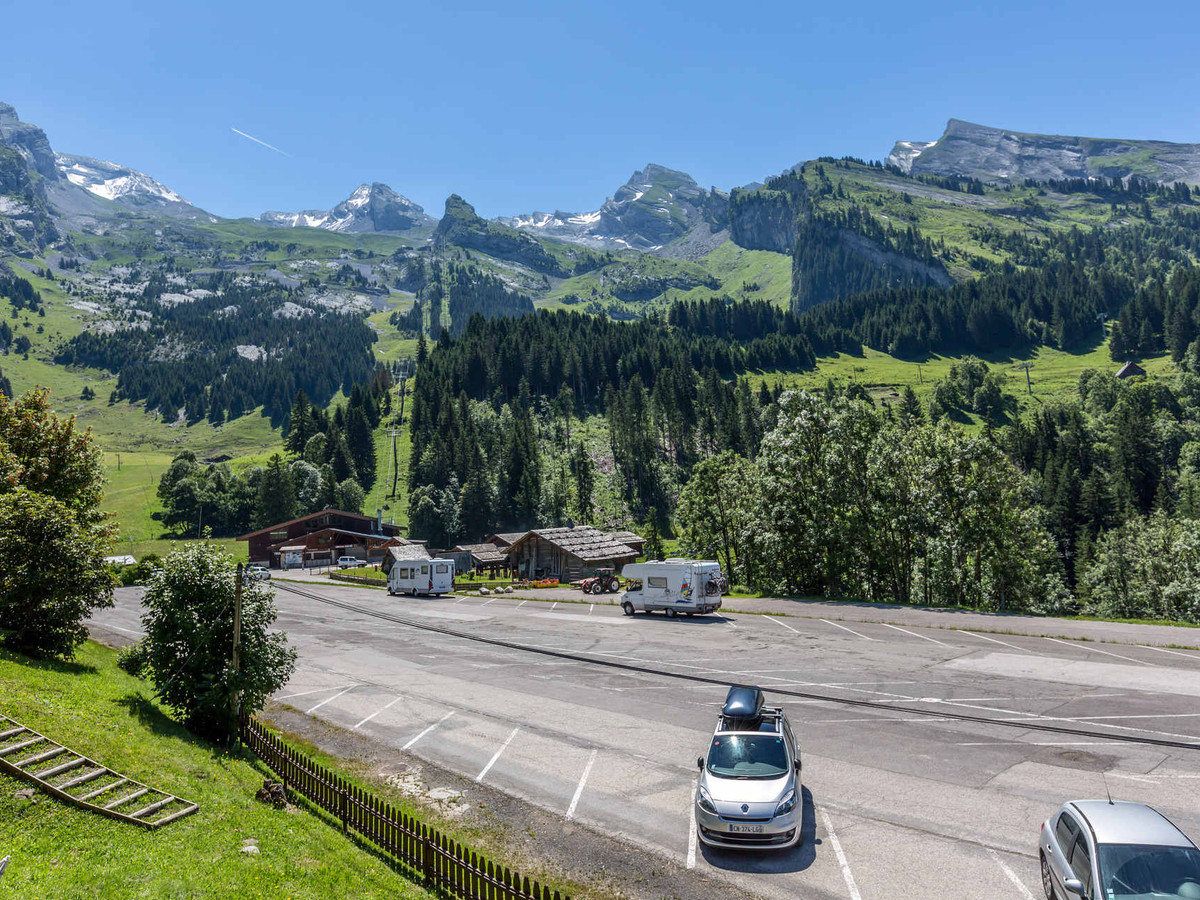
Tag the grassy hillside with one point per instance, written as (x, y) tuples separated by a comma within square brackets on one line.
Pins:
[(60, 851)]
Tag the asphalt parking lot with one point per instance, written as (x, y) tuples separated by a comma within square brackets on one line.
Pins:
[(897, 804)]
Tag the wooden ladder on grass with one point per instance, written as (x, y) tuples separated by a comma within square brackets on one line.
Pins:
[(76, 779)]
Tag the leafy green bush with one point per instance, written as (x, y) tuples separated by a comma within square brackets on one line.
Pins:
[(133, 658)]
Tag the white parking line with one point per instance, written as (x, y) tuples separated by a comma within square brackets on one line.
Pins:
[(1191, 656), (427, 730), (1082, 646), (587, 770), (984, 637), (729, 621), (327, 699), (851, 630), (784, 624), (914, 634), (841, 857), (522, 603), (306, 693), (493, 600), (492, 761), (1012, 876), (590, 608), (377, 712), (553, 605), (691, 854)]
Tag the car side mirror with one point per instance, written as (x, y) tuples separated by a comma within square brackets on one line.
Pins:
[(796, 764), (1074, 886), (699, 762)]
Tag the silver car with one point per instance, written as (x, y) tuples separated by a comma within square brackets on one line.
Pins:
[(1116, 851), (749, 794)]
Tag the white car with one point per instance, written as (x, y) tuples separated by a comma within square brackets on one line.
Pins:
[(258, 573), (348, 562)]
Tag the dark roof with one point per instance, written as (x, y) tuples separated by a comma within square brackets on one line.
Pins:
[(583, 541), (371, 535), (481, 554), (323, 512), (508, 538), (1129, 369)]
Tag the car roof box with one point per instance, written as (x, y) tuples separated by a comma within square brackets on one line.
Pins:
[(743, 703)]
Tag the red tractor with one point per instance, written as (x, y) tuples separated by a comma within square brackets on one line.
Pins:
[(604, 581)]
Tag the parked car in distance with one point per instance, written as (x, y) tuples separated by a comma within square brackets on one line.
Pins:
[(256, 572), (750, 794), (348, 562), (1116, 851)]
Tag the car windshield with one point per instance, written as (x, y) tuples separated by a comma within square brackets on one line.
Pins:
[(748, 756), (1138, 870)]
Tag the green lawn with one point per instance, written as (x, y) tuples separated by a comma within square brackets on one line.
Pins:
[(60, 851)]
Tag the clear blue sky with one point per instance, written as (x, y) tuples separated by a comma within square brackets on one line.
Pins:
[(529, 105)]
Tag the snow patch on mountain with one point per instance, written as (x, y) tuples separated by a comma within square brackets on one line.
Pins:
[(111, 181)]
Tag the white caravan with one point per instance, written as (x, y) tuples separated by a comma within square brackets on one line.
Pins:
[(421, 576), (687, 586)]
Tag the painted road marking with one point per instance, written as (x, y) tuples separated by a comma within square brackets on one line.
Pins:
[(377, 712), (841, 857), (306, 693), (125, 630), (492, 761), (851, 630), (914, 634), (552, 606), (587, 770), (984, 637), (1011, 875), (691, 854), (1082, 646), (493, 600), (728, 621), (327, 699), (1191, 656), (590, 608), (784, 624), (522, 603), (427, 730)]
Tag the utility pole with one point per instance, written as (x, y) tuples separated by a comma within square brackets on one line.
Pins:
[(235, 696), (1029, 384)]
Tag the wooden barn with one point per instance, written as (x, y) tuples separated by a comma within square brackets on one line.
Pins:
[(319, 538), (567, 553)]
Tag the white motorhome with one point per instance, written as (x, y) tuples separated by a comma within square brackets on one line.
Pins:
[(421, 577), (687, 586)]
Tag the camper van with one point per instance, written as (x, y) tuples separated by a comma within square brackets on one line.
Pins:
[(421, 577), (687, 586)]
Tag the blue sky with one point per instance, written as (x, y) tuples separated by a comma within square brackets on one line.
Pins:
[(527, 105)]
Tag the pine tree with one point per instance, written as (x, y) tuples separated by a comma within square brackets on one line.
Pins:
[(276, 494)]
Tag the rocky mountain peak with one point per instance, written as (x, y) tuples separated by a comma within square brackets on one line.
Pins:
[(370, 207)]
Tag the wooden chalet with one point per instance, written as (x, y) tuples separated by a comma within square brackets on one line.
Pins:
[(567, 553), (1130, 369), (478, 557), (319, 538)]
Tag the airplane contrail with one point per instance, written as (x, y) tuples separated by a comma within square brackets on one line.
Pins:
[(257, 141)]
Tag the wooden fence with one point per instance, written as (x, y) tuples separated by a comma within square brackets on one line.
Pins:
[(443, 865)]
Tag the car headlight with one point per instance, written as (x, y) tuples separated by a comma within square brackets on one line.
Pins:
[(787, 804), (706, 803)]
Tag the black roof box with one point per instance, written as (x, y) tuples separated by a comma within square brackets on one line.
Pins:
[(743, 703)]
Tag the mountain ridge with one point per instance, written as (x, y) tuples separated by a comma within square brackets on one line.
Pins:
[(970, 150), (371, 207)]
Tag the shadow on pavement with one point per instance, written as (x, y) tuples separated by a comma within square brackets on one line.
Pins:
[(794, 859)]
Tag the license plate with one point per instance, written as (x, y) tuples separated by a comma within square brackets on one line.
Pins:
[(746, 829)]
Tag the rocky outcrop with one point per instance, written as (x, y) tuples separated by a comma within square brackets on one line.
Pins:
[(763, 220), (656, 207), (27, 140), (25, 215), (371, 207), (462, 227), (994, 154)]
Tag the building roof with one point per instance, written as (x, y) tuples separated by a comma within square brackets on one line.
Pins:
[(508, 538), (367, 535), (583, 541), (626, 536), (1129, 369), (482, 554), (408, 551), (323, 512)]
